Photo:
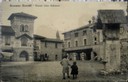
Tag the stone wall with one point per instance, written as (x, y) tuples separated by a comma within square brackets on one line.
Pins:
[(51, 50), (18, 51), (70, 37), (124, 55)]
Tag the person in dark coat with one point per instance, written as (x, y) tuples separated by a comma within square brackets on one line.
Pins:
[(74, 70)]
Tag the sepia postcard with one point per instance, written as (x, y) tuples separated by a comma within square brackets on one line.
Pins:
[(63, 41)]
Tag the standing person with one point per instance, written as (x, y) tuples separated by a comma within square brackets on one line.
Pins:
[(65, 63), (74, 70)]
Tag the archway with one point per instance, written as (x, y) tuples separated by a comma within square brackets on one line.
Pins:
[(25, 55), (88, 53)]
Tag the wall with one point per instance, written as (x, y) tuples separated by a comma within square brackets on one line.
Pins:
[(70, 37), (112, 55), (51, 50), (17, 21), (17, 52)]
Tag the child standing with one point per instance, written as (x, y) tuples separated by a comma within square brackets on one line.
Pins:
[(74, 70)]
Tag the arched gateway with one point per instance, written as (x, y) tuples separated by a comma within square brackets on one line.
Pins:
[(25, 55)]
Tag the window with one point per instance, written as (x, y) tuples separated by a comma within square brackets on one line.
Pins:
[(24, 41), (56, 45), (22, 28), (68, 44), (26, 28), (76, 34), (84, 32), (76, 43), (85, 42), (95, 38), (7, 40), (45, 44)]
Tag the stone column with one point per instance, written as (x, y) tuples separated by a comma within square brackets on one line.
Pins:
[(74, 56), (92, 55), (112, 55), (82, 56)]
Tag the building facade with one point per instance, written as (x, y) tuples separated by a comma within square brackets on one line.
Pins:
[(84, 40), (17, 39), (100, 40), (47, 48)]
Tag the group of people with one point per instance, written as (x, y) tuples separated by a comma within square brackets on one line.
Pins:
[(74, 68)]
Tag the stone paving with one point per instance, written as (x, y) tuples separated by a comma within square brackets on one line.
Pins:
[(52, 71)]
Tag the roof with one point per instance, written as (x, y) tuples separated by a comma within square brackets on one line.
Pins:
[(21, 14), (80, 28), (7, 30), (38, 37), (112, 16), (24, 35), (53, 40), (42, 38)]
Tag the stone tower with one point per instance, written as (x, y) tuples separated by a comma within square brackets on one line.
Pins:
[(57, 35), (23, 25)]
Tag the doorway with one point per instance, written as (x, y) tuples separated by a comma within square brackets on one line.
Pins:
[(24, 54)]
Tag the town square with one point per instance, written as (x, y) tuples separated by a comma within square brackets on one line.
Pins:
[(93, 52), (52, 72)]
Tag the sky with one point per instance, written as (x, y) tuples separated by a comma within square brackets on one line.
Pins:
[(61, 16)]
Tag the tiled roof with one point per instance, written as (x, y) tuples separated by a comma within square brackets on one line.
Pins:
[(7, 30), (22, 14), (38, 37), (42, 38), (52, 40), (112, 16)]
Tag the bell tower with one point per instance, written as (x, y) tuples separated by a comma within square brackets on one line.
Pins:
[(22, 23)]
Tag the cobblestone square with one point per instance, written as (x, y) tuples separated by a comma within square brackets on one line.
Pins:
[(52, 71)]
